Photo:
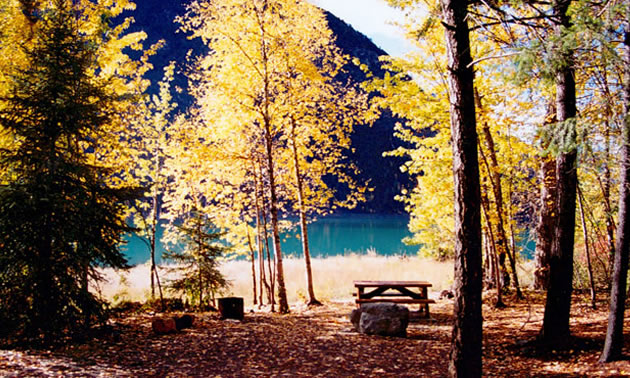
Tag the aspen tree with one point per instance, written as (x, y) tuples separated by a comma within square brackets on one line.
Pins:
[(270, 72)]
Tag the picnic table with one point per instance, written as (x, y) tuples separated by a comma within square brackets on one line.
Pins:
[(395, 292)]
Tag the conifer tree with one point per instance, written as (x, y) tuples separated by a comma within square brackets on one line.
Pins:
[(59, 216), (555, 327), (198, 265)]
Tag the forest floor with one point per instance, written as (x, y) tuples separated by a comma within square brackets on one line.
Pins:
[(320, 341)]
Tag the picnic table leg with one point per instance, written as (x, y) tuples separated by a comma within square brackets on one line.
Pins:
[(359, 295), (425, 294), (424, 309)]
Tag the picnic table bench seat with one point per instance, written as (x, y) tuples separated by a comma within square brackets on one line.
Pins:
[(396, 300)]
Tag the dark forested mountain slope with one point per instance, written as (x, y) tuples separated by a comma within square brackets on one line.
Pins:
[(370, 142), (156, 17)]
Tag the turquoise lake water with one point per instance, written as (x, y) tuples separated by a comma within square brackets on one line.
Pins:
[(329, 236), (337, 235)]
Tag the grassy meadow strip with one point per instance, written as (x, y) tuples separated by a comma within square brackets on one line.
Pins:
[(333, 276)]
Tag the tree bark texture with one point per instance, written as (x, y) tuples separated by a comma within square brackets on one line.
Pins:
[(555, 329), (614, 332), (546, 217), (268, 140), (259, 242), (312, 300), (466, 342), (283, 305), (264, 236), (252, 256)]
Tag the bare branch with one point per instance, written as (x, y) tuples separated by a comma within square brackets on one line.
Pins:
[(492, 57)]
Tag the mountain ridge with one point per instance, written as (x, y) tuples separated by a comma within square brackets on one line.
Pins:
[(369, 142)]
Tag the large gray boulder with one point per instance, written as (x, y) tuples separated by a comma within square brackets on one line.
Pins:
[(383, 319)]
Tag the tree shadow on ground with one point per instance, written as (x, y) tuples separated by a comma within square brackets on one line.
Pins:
[(566, 350)]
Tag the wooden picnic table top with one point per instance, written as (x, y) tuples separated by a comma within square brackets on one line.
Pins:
[(392, 284)]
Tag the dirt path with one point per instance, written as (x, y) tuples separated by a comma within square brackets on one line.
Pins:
[(321, 342)]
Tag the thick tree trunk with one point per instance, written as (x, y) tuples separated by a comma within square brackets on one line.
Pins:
[(546, 215), (614, 332), (555, 329), (312, 300), (466, 342)]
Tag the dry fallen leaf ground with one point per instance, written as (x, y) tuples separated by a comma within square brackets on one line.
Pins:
[(321, 342)]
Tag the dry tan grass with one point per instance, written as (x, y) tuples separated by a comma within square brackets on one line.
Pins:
[(333, 276)]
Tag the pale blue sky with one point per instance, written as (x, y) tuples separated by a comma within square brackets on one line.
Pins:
[(372, 18)]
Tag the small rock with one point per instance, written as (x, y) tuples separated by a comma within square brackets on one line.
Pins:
[(355, 318), (447, 294), (163, 326)]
